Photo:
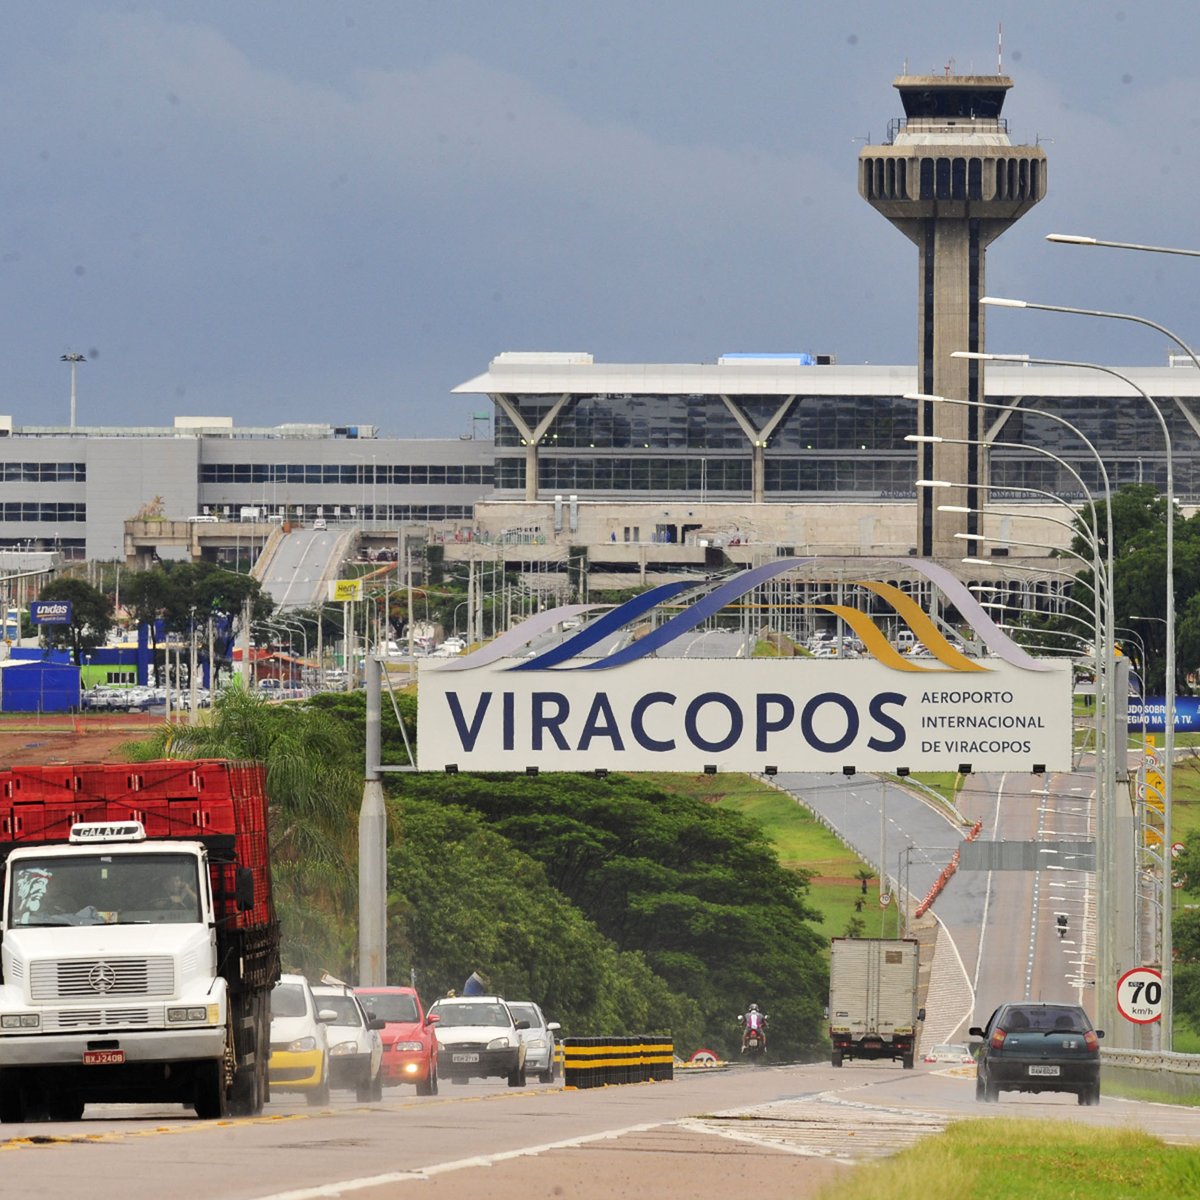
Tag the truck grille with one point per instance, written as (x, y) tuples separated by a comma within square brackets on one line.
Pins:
[(101, 1018), (91, 977)]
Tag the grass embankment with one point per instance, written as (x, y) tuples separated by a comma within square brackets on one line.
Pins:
[(1005, 1159), (801, 843)]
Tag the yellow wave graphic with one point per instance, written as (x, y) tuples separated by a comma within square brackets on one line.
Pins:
[(926, 632)]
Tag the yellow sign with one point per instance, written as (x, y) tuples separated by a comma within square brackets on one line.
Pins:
[(345, 589), (1156, 781)]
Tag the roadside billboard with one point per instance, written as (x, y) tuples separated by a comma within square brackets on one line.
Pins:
[(636, 709), (50, 612)]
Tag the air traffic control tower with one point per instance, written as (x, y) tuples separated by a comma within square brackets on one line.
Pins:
[(949, 178)]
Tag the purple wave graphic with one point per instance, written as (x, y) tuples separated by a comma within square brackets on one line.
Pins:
[(602, 628)]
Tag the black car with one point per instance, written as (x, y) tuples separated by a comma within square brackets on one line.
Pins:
[(1038, 1048)]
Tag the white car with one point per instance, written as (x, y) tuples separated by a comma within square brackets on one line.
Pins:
[(956, 1054), (355, 1047), (477, 1037), (538, 1039), (299, 1045)]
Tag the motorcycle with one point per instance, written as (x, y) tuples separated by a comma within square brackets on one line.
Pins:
[(754, 1034)]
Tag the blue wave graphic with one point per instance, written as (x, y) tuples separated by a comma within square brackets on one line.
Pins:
[(602, 628)]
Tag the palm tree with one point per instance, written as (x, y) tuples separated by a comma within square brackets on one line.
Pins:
[(314, 787)]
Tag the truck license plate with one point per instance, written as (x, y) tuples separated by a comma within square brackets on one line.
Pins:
[(102, 1058), (1044, 1070), (464, 1058)]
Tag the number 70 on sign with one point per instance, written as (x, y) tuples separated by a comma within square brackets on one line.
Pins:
[(1140, 995)]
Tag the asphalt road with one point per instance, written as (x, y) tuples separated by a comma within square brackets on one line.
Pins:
[(765, 1131)]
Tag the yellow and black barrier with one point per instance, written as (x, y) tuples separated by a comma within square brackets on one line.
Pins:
[(598, 1061)]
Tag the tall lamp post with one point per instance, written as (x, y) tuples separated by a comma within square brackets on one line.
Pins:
[(1168, 1019), (1106, 716), (74, 359)]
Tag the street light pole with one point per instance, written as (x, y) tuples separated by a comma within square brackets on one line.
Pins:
[(1168, 1020), (74, 360)]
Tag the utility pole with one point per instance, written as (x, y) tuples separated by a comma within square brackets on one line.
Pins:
[(74, 360)]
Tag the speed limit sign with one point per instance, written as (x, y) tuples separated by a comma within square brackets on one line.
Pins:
[(1140, 995)]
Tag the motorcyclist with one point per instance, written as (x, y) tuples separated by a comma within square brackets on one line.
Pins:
[(753, 1020)]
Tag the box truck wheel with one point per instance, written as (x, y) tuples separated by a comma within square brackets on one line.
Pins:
[(836, 1058), (908, 1061)]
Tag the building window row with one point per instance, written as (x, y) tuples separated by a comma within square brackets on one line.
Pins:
[(43, 472), (354, 473), (692, 422), (42, 511)]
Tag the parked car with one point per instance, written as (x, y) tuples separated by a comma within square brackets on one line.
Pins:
[(1038, 1048), (957, 1054), (538, 1039), (478, 1037), (299, 1043), (319, 523), (410, 1047), (355, 1047)]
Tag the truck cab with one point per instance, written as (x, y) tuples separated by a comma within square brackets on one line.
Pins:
[(109, 959)]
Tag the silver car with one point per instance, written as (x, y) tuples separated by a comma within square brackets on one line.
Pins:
[(540, 1057)]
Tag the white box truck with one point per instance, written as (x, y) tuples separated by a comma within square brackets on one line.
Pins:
[(873, 1010)]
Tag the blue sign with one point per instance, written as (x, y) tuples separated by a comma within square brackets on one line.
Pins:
[(50, 612), (1150, 715)]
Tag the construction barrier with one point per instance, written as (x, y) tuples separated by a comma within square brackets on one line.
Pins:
[(944, 878), (598, 1061)]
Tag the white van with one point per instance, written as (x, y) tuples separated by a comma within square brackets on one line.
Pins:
[(905, 639), (250, 513), (202, 519)]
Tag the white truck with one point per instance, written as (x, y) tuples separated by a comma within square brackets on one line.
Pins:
[(873, 1002), (139, 944)]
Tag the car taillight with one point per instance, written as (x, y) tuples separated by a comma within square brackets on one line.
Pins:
[(1091, 1041), (997, 1039)]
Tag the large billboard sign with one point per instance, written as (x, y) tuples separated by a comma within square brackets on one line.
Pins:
[(636, 709), (50, 612)]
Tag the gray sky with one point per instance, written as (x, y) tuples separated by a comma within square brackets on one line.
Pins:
[(285, 210)]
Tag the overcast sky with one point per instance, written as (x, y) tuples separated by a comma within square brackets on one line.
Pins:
[(280, 210)]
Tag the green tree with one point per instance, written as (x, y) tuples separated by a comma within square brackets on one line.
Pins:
[(91, 616), (314, 784)]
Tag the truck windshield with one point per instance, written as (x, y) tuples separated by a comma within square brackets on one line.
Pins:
[(108, 889)]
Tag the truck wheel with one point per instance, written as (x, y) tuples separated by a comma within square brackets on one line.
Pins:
[(908, 1062), (836, 1058), (246, 1100), (211, 1102), (12, 1098)]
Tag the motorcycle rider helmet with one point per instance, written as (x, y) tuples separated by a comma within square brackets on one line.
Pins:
[(754, 1008)]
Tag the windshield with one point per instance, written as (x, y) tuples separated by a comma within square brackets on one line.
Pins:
[(287, 1000), (472, 1014), (399, 1008), (525, 1012), (106, 889), (1045, 1018), (346, 1007)]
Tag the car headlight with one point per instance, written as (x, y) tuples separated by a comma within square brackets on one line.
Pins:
[(536, 1043), (408, 1046), (343, 1048), (302, 1045), (500, 1043), (20, 1021)]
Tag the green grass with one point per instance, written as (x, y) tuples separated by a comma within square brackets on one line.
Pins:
[(1005, 1159), (800, 843)]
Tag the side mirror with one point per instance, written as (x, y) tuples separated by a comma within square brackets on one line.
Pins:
[(376, 1023), (433, 1018), (243, 889), (522, 1024), (920, 1014), (553, 1026), (1099, 1033), (327, 1016), (975, 1031)]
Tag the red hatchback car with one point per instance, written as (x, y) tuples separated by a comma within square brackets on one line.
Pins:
[(409, 1045)]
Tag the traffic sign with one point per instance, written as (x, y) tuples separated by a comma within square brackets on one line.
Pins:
[(1140, 995), (885, 898), (1177, 848)]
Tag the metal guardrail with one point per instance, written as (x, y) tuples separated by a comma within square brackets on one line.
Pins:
[(1154, 1070)]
